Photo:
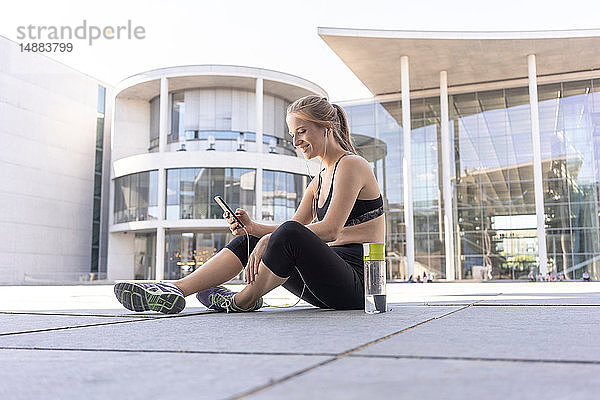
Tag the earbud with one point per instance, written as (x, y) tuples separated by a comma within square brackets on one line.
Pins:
[(326, 132)]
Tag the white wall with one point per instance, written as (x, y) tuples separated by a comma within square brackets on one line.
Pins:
[(47, 150), (131, 133), (121, 255)]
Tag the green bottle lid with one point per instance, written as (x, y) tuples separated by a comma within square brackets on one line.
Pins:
[(373, 251)]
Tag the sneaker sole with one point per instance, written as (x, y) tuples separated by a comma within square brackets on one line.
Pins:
[(135, 298)]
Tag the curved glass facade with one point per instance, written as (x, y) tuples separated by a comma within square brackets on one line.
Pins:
[(189, 250), (136, 197), (191, 191), (221, 119), (492, 180), (281, 194)]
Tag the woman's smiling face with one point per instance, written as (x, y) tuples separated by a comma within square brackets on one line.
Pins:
[(307, 136)]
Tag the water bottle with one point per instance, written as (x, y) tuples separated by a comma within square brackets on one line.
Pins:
[(374, 262)]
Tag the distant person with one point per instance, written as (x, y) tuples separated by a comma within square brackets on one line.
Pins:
[(586, 276), (320, 262), (419, 279), (410, 279), (429, 278)]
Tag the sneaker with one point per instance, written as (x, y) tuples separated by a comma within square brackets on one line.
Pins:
[(221, 299), (162, 297)]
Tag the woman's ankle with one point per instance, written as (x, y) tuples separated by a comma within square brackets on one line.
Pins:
[(239, 303), (179, 285)]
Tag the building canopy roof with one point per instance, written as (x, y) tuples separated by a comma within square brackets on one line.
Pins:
[(468, 57)]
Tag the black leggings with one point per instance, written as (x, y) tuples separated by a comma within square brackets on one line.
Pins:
[(333, 275)]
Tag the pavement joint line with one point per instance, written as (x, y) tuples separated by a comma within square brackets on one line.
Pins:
[(486, 359), (136, 319), (259, 353), (141, 316), (208, 352), (62, 328), (339, 356)]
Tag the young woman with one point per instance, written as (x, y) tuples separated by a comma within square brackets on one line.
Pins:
[(321, 261)]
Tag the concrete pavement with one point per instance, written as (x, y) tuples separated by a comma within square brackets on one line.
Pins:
[(439, 340)]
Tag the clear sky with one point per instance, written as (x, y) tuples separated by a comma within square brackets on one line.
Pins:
[(279, 35)]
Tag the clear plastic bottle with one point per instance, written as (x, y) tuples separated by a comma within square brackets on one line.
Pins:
[(374, 262)]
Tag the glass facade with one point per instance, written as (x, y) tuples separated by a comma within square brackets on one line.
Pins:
[(97, 196), (221, 119), (281, 195), (493, 201), (570, 137), (377, 136), (186, 251), (136, 197), (191, 191), (145, 256)]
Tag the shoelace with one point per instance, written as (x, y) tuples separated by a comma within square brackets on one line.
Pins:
[(222, 301)]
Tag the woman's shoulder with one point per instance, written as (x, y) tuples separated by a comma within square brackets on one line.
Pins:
[(358, 171), (355, 163)]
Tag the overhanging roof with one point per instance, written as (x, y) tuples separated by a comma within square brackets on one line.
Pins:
[(468, 57)]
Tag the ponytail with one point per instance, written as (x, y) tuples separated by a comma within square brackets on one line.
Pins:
[(344, 131)]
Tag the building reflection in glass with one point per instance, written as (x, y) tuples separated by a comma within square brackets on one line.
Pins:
[(492, 180), (187, 251), (136, 197), (282, 193), (145, 256), (190, 191)]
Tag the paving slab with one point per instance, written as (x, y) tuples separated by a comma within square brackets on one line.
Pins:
[(19, 323), (536, 333), (27, 374), (271, 331), (572, 299), (116, 312), (376, 378), (494, 291)]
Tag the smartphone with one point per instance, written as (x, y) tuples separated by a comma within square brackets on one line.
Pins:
[(228, 209)]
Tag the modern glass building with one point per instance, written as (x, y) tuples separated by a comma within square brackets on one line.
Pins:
[(182, 136), (486, 147)]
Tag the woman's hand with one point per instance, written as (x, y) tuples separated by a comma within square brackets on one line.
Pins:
[(234, 226), (254, 259)]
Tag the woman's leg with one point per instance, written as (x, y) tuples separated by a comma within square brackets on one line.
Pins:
[(220, 268), (264, 282), (295, 252)]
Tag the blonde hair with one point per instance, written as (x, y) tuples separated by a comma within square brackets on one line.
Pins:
[(323, 113)]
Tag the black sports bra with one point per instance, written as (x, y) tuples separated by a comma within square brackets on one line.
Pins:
[(363, 210)]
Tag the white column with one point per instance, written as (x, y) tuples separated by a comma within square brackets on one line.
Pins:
[(447, 187), (160, 231), (537, 164), (259, 146), (160, 253), (259, 193), (163, 131), (259, 114), (406, 163)]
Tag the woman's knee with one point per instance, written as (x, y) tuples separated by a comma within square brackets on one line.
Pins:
[(287, 230), (238, 241)]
